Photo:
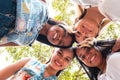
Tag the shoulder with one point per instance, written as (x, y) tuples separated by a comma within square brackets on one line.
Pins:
[(101, 76), (33, 62), (114, 59)]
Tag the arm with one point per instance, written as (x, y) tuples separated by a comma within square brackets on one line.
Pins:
[(8, 44), (12, 68)]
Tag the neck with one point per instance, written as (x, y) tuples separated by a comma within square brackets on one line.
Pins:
[(49, 71), (45, 29), (94, 14), (102, 66)]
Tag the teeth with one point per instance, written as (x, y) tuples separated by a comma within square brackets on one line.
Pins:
[(92, 58), (55, 36), (58, 63)]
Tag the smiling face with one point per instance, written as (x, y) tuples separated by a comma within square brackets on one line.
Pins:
[(58, 36), (61, 58), (89, 56), (89, 25), (85, 28)]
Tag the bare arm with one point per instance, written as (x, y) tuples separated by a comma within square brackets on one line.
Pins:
[(8, 44), (12, 68)]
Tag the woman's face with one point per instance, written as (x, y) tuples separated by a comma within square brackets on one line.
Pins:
[(58, 36), (90, 57), (61, 58), (85, 28)]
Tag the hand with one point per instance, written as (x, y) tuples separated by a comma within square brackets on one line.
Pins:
[(87, 42)]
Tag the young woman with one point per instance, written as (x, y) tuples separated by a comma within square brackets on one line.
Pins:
[(95, 57), (29, 69), (109, 9), (89, 24), (31, 22)]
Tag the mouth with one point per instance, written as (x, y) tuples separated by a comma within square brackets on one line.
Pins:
[(57, 63), (55, 36), (92, 60)]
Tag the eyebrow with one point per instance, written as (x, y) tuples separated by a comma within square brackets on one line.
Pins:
[(69, 57)]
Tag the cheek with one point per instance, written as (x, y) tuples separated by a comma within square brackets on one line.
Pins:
[(66, 64), (49, 34), (67, 40), (99, 59)]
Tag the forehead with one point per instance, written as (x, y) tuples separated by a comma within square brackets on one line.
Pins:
[(66, 51), (58, 27), (81, 50)]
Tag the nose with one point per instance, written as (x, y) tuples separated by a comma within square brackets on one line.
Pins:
[(61, 59)]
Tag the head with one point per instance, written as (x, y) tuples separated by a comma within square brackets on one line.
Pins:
[(89, 55), (90, 59), (58, 35), (88, 25), (61, 58)]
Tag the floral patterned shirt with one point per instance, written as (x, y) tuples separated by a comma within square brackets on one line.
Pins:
[(33, 70), (30, 18)]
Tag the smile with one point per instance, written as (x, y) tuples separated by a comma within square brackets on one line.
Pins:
[(92, 58), (58, 64), (56, 36)]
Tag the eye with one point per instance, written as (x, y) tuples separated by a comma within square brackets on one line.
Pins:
[(59, 53), (83, 57), (67, 59)]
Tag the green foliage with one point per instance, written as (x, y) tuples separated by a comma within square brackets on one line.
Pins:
[(64, 10), (73, 72), (111, 31), (42, 52), (37, 50)]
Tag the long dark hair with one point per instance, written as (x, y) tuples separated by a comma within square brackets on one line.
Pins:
[(105, 47)]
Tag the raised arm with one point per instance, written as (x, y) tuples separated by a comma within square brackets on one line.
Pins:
[(12, 68)]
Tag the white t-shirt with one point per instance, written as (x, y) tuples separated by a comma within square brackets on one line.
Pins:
[(109, 8), (113, 67)]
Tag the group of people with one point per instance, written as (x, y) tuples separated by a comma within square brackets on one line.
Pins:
[(24, 21)]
